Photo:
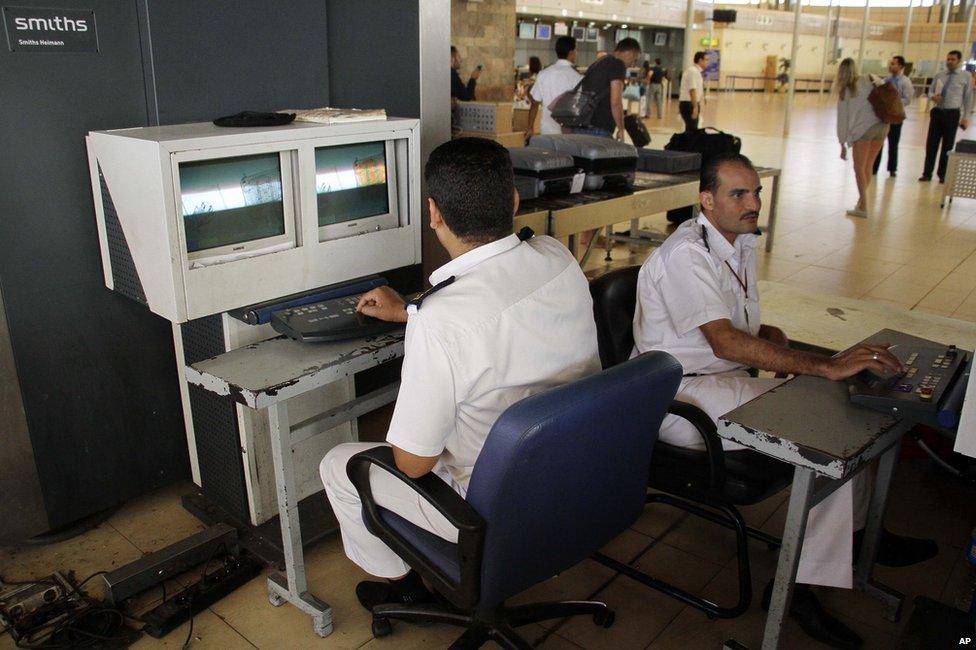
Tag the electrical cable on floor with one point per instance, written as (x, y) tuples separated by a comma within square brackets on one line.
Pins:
[(189, 598), (74, 620)]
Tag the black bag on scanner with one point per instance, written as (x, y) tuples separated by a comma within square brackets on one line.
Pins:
[(708, 142)]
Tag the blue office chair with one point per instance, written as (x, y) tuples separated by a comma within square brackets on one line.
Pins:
[(708, 483), (561, 474)]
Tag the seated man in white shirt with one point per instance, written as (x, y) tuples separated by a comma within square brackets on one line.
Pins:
[(506, 319), (697, 298), (552, 82)]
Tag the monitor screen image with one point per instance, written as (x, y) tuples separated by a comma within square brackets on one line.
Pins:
[(351, 182), (228, 201)]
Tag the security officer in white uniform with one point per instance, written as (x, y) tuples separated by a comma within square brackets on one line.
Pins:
[(509, 316), (698, 299)]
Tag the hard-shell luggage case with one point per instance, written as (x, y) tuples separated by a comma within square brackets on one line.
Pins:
[(667, 162), (527, 187), (637, 131), (606, 162), (551, 172)]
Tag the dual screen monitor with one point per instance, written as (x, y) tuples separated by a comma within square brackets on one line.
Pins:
[(230, 204)]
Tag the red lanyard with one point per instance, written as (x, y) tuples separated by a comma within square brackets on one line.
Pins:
[(745, 274)]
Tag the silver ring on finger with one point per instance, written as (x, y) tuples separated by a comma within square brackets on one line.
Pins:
[(875, 357)]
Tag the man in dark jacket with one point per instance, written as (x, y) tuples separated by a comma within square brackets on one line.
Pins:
[(458, 89)]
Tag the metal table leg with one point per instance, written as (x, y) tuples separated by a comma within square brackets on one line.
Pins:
[(293, 586), (771, 226), (789, 555), (872, 534)]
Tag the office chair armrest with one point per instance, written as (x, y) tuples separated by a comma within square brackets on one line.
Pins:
[(709, 434), (458, 512)]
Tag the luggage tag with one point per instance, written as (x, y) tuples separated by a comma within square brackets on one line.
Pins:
[(577, 185)]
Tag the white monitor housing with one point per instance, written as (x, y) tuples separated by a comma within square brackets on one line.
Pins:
[(196, 219)]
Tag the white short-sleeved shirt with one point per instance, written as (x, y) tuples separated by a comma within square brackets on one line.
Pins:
[(691, 80), (552, 82), (518, 319), (685, 284)]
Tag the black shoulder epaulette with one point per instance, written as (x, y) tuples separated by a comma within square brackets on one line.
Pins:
[(416, 302), (525, 233)]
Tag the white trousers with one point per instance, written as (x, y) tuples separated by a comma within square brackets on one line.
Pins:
[(826, 557), (361, 546)]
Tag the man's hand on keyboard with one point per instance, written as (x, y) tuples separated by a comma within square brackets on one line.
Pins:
[(383, 303)]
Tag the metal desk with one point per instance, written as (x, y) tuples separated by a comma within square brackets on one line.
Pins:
[(653, 193), (266, 375), (810, 423)]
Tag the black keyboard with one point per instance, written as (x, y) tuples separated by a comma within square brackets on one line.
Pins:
[(329, 320), (932, 373)]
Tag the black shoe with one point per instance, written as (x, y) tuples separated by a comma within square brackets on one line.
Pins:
[(924, 179), (408, 590), (897, 550), (892, 174), (807, 611), (941, 181)]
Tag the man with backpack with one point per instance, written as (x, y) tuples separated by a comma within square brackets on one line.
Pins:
[(605, 80)]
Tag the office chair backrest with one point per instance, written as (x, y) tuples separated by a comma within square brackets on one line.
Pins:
[(565, 471), (614, 301)]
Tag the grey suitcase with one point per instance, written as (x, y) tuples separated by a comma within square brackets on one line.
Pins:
[(527, 187), (668, 162), (551, 172), (607, 162)]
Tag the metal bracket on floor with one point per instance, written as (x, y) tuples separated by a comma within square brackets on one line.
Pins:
[(321, 613)]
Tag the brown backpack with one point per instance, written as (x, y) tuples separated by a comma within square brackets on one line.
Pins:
[(886, 102)]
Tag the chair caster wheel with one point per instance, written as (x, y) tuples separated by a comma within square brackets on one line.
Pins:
[(275, 599), (604, 619), (382, 627), (321, 628)]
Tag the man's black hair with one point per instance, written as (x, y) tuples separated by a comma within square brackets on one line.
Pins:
[(470, 180), (709, 172), (699, 55), (657, 61), (957, 54), (628, 45), (565, 45), (900, 59)]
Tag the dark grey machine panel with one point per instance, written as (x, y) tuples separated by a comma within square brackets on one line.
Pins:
[(96, 371)]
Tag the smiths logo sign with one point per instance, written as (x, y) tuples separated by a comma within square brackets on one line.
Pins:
[(55, 30)]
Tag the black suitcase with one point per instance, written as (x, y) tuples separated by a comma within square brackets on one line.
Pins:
[(637, 131), (708, 142), (667, 162)]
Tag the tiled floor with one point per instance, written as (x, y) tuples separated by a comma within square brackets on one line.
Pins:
[(908, 253)]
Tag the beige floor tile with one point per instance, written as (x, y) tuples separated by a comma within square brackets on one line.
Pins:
[(331, 577), (839, 283), (943, 300), (907, 294), (776, 269), (641, 612), (100, 549), (158, 519)]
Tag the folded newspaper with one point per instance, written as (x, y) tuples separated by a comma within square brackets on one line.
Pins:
[(326, 115)]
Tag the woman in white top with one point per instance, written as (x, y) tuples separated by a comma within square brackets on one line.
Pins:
[(859, 127)]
